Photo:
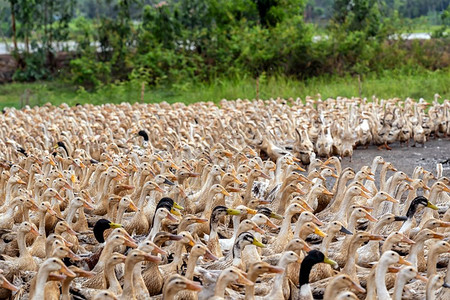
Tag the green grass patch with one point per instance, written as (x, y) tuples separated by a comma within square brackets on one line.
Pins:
[(422, 85)]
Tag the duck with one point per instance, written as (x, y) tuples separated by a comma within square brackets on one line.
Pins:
[(176, 283), (338, 283), (313, 257), (50, 265), (405, 274), (234, 257), (227, 276)]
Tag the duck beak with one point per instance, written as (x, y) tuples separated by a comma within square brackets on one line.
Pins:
[(235, 180), (86, 274), (210, 256), (446, 285), (193, 174), (370, 217), (402, 261), (67, 243), (306, 248), (364, 189), (132, 206), (20, 181), (67, 186), (71, 231), (276, 216), (444, 224), (244, 280), (327, 192), (358, 287), (224, 192), (115, 225), (271, 224), (7, 285), (334, 175), (319, 232), (152, 258), (258, 243), (34, 207), (73, 178), (130, 243), (257, 229), (73, 256), (306, 206), (201, 221), (159, 189), (426, 188), (175, 211), (65, 270), (345, 230), (87, 205), (171, 217), (193, 286), (364, 195), (158, 250), (34, 231), (251, 211), (191, 243), (175, 237), (438, 236), (317, 221), (432, 206), (409, 179), (168, 182), (375, 237), (329, 261), (233, 212), (391, 199), (370, 178), (276, 270), (264, 175), (400, 218), (58, 196), (421, 278), (407, 240)]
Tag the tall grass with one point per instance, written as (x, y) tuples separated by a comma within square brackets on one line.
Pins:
[(391, 84)]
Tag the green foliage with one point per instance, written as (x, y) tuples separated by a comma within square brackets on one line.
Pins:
[(33, 67), (89, 72)]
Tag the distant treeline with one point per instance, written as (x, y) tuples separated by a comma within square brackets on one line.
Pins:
[(199, 40)]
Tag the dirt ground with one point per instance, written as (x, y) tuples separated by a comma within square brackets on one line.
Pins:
[(406, 158)]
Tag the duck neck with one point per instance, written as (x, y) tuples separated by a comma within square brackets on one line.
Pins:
[(128, 289), (286, 224), (155, 229), (192, 262), (111, 279), (119, 214), (342, 213), (400, 282), (326, 241), (350, 266), (380, 274), (432, 261), (414, 251), (39, 288), (71, 214), (340, 191), (221, 285), (23, 250), (65, 288), (237, 252), (236, 222), (248, 189)]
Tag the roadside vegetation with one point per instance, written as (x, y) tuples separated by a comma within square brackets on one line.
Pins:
[(212, 49)]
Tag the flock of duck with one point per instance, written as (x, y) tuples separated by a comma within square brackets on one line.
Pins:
[(162, 201)]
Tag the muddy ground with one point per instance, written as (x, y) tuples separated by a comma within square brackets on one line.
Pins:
[(406, 158)]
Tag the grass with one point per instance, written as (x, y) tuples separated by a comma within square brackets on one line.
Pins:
[(424, 84)]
